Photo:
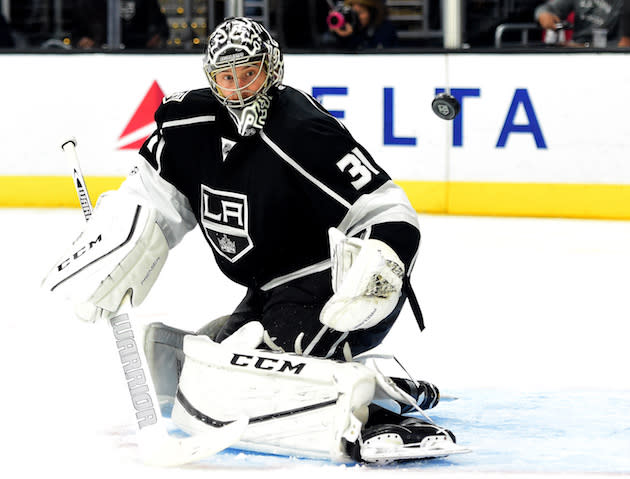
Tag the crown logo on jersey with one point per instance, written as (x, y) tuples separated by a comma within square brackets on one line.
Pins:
[(226, 245)]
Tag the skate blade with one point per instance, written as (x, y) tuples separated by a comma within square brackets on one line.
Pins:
[(431, 447)]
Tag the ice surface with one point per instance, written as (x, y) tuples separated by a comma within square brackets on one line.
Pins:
[(527, 324)]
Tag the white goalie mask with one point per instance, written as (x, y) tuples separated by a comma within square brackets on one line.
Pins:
[(243, 63)]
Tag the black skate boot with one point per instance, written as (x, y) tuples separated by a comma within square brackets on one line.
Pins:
[(427, 395), (389, 437)]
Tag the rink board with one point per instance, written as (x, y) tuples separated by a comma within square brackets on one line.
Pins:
[(538, 135)]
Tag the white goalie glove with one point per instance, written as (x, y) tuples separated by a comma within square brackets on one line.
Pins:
[(122, 249), (367, 278)]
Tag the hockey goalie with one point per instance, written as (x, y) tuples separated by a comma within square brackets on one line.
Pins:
[(298, 212)]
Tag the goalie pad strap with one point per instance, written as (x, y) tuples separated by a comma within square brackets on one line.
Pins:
[(197, 414), (413, 302), (192, 411)]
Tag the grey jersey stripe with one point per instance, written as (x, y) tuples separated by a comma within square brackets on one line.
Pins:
[(386, 204), (389, 203)]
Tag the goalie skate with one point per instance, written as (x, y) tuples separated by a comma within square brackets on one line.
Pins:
[(412, 439)]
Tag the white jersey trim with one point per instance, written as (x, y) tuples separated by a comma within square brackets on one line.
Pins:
[(174, 213), (152, 141), (189, 121), (303, 172), (158, 154), (300, 273)]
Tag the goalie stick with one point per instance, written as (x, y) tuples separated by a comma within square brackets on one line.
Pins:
[(156, 446)]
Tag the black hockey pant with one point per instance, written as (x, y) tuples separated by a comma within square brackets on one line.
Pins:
[(293, 308)]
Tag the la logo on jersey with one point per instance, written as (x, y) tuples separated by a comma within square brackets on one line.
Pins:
[(224, 221)]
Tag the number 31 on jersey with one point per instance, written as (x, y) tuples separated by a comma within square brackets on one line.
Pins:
[(360, 168)]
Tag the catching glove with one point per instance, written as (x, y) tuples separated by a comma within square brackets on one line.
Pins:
[(367, 280)]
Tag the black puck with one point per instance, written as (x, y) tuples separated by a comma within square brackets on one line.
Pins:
[(445, 106)]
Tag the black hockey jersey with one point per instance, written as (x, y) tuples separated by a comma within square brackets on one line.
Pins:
[(265, 202)]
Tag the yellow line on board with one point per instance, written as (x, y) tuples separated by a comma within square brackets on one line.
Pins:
[(540, 200), (438, 197), (51, 191), (554, 200)]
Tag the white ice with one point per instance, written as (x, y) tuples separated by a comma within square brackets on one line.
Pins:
[(528, 324)]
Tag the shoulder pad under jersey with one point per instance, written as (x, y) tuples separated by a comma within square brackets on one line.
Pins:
[(186, 104)]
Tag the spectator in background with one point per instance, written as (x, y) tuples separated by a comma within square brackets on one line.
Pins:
[(301, 24), (143, 25), (624, 26), (602, 14), (6, 37), (372, 30), (482, 17)]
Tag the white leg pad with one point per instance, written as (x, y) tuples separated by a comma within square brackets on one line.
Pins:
[(297, 405)]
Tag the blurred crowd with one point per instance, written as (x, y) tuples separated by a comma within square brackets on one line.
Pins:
[(345, 25)]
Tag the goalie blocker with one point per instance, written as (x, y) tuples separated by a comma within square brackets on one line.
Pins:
[(121, 249), (297, 405)]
